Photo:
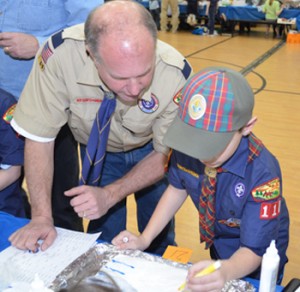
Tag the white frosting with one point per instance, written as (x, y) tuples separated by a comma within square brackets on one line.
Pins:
[(143, 275)]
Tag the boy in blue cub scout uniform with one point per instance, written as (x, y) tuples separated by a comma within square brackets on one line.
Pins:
[(213, 142), (11, 159)]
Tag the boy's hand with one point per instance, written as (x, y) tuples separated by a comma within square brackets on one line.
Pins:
[(127, 240)]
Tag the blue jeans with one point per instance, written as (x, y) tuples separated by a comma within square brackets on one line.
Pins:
[(115, 166), (212, 10)]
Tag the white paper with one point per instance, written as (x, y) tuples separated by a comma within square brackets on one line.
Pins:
[(21, 266), (143, 275)]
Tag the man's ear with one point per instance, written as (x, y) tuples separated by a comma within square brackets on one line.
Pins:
[(89, 52), (248, 128)]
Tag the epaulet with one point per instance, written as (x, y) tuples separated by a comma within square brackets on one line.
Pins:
[(187, 69), (57, 39), (171, 56)]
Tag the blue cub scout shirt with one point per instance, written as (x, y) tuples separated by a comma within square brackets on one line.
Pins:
[(11, 153), (250, 209)]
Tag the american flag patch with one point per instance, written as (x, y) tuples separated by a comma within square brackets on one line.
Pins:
[(46, 53)]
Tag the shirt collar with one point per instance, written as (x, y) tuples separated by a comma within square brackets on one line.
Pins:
[(238, 162)]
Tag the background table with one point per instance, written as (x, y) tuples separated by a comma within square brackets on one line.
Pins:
[(252, 14)]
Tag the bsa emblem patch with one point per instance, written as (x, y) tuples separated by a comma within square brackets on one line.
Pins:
[(267, 191), (44, 56), (8, 115), (197, 107), (239, 189), (178, 96), (149, 107)]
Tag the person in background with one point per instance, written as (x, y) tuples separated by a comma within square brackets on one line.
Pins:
[(24, 27), (272, 9), (11, 159), (211, 12), (173, 4), (232, 178), (154, 9), (78, 70)]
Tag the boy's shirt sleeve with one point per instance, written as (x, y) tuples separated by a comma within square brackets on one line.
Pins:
[(11, 145)]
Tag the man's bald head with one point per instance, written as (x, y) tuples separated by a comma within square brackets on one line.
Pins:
[(123, 22)]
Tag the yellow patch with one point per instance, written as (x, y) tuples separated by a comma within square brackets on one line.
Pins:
[(267, 191), (41, 63)]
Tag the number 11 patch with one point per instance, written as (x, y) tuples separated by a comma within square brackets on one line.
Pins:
[(270, 210)]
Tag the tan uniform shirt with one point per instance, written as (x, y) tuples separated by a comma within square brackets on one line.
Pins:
[(64, 87)]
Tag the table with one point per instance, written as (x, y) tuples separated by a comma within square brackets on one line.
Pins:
[(252, 14), (10, 223)]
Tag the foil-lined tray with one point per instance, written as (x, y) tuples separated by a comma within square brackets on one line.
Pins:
[(89, 265)]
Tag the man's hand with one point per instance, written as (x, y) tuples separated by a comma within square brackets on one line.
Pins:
[(19, 45), (39, 228), (90, 202)]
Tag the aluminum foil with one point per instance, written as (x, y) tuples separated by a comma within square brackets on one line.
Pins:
[(90, 263)]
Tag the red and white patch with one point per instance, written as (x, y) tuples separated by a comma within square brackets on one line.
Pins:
[(270, 210)]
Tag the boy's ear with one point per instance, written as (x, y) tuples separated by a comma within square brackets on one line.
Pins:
[(248, 128)]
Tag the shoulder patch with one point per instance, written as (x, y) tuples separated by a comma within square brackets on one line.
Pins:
[(47, 52), (177, 97), (8, 115), (270, 210), (267, 191), (44, 56)]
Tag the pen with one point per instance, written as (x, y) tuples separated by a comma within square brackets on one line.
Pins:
[(208, 270)]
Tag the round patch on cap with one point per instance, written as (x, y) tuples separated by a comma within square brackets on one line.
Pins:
[(197, 106)]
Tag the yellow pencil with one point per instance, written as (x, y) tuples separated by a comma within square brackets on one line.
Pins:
[(208, 270)]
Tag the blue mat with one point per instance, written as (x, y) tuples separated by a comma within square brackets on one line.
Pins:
[(8, 225)]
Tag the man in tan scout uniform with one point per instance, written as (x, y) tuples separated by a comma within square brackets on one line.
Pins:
[(122, 56)]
